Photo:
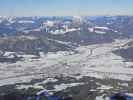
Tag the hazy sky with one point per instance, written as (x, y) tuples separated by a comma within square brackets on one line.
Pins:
[(65, 7)]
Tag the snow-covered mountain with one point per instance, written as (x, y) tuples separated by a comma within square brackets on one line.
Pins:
[(84, 57)]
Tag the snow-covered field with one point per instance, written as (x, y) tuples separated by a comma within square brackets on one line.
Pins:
[(92, 60)]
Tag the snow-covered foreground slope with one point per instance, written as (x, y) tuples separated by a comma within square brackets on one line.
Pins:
[(92, 60)]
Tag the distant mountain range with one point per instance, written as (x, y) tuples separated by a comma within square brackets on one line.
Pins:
[(50, 34)]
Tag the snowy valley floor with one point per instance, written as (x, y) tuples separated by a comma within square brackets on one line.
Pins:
[(92, 73)]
